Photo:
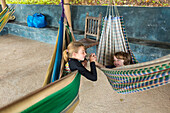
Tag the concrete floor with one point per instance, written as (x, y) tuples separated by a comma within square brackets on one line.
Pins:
[(23, 65)]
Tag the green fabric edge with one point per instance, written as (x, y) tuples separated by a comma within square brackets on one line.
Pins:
[(58, 101)]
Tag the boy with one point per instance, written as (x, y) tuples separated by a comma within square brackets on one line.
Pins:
[(120, 59)]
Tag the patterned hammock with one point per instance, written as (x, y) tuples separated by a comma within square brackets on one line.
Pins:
[(132, 78), (139, 77), (5, 15), (59, 96)]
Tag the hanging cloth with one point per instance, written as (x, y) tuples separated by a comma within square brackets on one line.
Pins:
[(113, 37), (5, 16)]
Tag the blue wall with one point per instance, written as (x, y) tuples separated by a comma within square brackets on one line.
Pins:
[(151, 23), (52, 13)]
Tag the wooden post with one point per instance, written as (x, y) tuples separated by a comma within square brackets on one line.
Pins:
[(67, 11), (68, 15), (3, 3)]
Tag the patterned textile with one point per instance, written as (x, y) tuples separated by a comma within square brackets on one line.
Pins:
[(113, 39), (5, 16), (134, 60), (66, 69), (139, 77)]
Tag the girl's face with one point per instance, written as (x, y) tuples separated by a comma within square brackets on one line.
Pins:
[(81, 54), (118, 62)]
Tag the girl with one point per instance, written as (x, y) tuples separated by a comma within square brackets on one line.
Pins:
[(120, 59), (74, 55)]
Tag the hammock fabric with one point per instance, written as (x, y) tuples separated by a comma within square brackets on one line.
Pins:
[(58, 101), (113, 39), (139, 77), (49, 74), (132, 78), (5, 15), (56, 97), (57, 64)]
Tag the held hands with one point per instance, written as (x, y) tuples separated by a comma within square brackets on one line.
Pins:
[(93, 57)]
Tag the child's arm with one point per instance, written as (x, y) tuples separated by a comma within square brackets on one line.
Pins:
[(76, 65), (99, 65), (93, 58), (84, 63)]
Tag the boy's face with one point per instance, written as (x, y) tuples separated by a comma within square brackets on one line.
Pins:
[(118, 62)]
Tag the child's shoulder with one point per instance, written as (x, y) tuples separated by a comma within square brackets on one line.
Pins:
[(74, 64), (75, 61)]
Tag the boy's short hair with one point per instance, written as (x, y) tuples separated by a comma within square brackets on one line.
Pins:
[(124, 56)]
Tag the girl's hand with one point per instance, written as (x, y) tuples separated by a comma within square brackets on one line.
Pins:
[(84, 63), (93, 57)]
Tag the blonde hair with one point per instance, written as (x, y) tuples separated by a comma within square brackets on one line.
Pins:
[(124, 56), (72, 47)]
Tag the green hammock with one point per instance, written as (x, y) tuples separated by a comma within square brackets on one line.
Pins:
[(59, 96), (5, 16), (132, 78)]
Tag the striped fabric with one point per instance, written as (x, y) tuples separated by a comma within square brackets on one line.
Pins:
[(5, 15), (139, 77), (101, 52), (113, 39), (134, 60)]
